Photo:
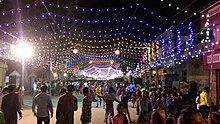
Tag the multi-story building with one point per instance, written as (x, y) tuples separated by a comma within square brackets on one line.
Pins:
[(210, 20)]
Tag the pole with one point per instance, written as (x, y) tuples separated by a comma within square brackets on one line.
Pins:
[(50, 68), (22, 83), (50, 77), (211, 73)]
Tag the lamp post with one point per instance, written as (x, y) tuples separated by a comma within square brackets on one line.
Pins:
[(22, 51)]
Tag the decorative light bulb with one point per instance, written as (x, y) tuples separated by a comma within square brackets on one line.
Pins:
[(75, 51), (117, 52)]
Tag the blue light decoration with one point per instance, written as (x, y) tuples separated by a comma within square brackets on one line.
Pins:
[(170, 46), (140, 38), (83, 9), (191, 39), (163, 47), (179, 42), (29, 20)]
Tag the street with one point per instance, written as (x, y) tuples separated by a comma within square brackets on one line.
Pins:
[(97, 113)]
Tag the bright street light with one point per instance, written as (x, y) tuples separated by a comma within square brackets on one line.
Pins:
[(22, 51)]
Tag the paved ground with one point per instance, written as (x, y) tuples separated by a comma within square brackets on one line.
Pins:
[(97, 113)]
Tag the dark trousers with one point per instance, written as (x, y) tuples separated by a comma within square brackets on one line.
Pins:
[(40, 120), (99, 101), (10, 121), (11, 118)]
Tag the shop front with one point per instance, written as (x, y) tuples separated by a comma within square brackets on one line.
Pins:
[(211, 61)]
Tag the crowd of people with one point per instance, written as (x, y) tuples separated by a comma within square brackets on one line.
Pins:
[(153, 105)]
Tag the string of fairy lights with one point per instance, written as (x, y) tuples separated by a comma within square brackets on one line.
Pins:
[(157, 53)]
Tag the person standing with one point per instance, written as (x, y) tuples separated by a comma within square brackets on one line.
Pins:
[(143, 118), (44, 105), (62, 91), (92, 91), (77, 88), (139, 96), (53, 88), (4, 92), (120, 118), (159, 115), (145, 105), (172, 110), (20, 91), (109, 100), (66, 106), (205, 112), (34, 88), (98, 94), (10, 106), (125, 99), (86, 107), (204, 97), (190, 115)]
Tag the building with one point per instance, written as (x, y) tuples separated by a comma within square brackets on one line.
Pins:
[(210, 21)]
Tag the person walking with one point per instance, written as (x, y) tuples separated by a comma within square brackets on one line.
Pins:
[(109, 100), (10, 106), (204, 97), (86, 107), (43, 104), (98, 94), (66, 106), (125, 99)]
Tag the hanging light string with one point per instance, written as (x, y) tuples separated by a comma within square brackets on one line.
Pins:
[(5, 32), (179, 12), (43, 16), (200, 52), (133, 15), (191, 16), (50, 15)]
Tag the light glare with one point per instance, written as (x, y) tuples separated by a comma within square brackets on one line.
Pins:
[(22, 50)]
